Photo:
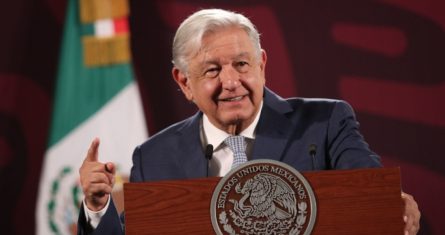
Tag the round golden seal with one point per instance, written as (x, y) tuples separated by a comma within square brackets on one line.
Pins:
[(263, 197)]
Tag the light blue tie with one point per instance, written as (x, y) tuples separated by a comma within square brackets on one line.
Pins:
[(237, 144)]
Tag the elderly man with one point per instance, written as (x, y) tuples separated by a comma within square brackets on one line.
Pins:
[(220, 66)]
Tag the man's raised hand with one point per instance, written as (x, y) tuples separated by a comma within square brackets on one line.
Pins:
[(96, 178)]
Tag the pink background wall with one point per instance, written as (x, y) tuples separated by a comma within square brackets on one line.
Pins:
[(384, 57)]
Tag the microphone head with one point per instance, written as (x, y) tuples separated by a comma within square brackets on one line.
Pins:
[(312, 149), (209, 151)]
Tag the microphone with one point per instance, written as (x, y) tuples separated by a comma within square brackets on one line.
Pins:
[(312, 152), (209, 152), (208, 155)]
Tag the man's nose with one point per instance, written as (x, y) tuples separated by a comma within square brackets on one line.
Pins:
[(230, 78)]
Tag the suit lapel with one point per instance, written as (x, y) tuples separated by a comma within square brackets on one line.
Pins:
[(274, 128), (191, 158)]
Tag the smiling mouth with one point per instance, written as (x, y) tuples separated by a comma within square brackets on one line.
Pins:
[(238, 98)]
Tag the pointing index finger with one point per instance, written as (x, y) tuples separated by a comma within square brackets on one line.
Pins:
[(93, 155)]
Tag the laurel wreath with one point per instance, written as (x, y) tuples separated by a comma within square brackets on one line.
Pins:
[(296, 230), (301, 218), (224, 221), (52, 204)]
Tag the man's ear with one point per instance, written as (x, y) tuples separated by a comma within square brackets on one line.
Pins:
[(263, 65), (263, 60), (183, 82)]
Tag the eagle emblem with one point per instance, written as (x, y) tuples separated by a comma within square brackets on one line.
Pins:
[(263, 197)]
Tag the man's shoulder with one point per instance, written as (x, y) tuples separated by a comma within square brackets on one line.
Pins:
[(298, 103), (312, 101), (311, 104), (175, 131)]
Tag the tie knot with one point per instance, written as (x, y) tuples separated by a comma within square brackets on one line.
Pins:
[(236, 143)]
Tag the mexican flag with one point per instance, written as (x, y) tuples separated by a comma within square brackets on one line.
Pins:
[(96, 96)]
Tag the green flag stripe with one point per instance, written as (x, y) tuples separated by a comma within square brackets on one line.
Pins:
[(87, 29), (81, 91)]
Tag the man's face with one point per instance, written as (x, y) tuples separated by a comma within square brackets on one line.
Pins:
[(225, 79)]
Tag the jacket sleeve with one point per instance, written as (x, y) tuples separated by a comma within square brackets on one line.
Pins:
[(110, 223), (347, 147)]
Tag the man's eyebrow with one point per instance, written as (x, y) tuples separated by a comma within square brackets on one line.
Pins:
[(242, 55), (216, 61), (209, 60)]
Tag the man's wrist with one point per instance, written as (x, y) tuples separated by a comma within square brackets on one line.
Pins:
[(94, 217)]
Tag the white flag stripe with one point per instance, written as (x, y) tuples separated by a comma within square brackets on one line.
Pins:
[(104, 28)]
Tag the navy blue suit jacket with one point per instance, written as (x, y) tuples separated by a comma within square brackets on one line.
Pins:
[(286, 129)]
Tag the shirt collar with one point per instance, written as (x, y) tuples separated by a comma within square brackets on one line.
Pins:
[(215, 136)]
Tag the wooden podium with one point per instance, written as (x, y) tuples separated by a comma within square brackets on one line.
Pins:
[(365, 201)]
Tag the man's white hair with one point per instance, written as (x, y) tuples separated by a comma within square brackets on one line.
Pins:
[(188, 37)]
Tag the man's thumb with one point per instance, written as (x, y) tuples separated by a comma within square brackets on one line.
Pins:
[(110, 168)]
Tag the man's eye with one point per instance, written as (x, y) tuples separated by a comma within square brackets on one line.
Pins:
[(212, 72), (242, 66)]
